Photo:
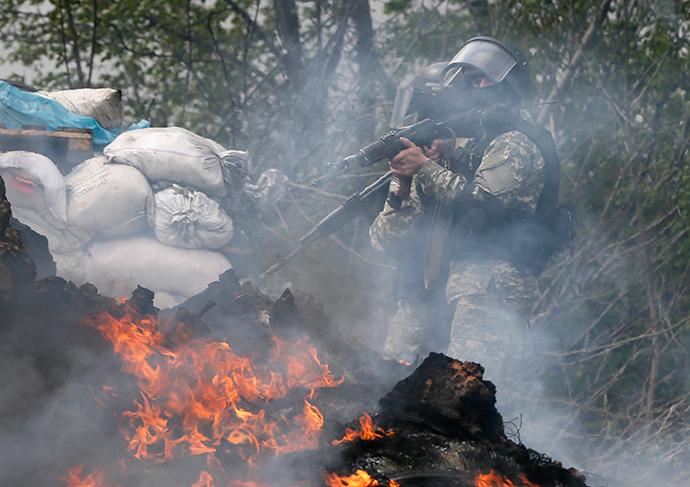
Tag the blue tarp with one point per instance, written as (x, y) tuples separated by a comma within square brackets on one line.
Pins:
[(19, 108)]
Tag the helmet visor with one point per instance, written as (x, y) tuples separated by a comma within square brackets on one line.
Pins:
[(488, 57), (399, 117)]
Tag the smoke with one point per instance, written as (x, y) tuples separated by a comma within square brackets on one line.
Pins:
[(535, 398), (49, 424)]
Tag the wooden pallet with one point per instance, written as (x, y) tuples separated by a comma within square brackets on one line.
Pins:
[(66, 147)]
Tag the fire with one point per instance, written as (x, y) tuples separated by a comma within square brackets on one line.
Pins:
[(493, 480), (362, 479), (368, 431), (359, 479), (205, 480), (237, 483), (210, 394), (75, 478)]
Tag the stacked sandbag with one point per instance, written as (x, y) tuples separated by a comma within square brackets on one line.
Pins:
[(191, 220), (19, 108), (36, 191), (108, 200), (102, 104), (194, 172), (116, 267), (98, 221), (34, 179), (176, 155)]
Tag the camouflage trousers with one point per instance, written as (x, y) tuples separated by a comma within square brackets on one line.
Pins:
[(484, 329), (491, 304), (410, 332), (490, 331)]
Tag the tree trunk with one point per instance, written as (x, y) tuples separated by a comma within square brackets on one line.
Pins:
[(289, 27), (360, 13)]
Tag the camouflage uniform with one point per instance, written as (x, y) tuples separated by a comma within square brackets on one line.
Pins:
[(492, 300)]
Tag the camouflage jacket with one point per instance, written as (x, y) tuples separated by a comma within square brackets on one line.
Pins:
[(511, 171)]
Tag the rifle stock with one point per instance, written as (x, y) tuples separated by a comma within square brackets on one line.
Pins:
[(347, 211)]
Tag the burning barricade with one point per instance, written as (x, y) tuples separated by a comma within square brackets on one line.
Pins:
[(236, 389), (269, 419), (236, 394)]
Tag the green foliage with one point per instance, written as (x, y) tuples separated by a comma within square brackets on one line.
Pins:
[(396, 6)]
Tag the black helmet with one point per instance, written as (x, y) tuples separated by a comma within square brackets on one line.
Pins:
[(500, 61), (415, 101)]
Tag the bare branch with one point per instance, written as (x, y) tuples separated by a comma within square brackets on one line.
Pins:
[(586, 43)]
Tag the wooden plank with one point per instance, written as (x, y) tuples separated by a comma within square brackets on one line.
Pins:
[(66, 147), (76, 130), (47, 134)]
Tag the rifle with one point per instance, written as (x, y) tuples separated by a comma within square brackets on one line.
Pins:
[(422, 133), (348, 210)]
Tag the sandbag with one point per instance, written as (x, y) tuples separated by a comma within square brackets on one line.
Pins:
[(18, 108), (117, 267), (175, 154), (102, 104), (190, 220), (37, 194), (236, 166), (33, 180), (62, 237), (108, 200)]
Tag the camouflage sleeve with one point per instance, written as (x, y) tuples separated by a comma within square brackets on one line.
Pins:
[(511, 170), (392, 228), (448, 187)]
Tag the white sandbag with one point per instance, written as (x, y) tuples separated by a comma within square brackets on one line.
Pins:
[(116, 267), (36, 191), (176, 155), (34, 181), (62, 237), (108, 200), (102, 104), (191, 220), (236, 165)]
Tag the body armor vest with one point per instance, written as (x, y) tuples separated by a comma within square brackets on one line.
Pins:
[(489, 231)]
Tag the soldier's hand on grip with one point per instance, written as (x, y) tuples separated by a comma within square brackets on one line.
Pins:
[(438, 147), (409, 161)]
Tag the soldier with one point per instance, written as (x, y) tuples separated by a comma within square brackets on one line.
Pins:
[(479, 216)]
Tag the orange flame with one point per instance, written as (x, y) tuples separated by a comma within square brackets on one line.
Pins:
[(75, 478), (493, 480), (205, 480), (238, 483), (359, 479), (368, 431), (206, 388)]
